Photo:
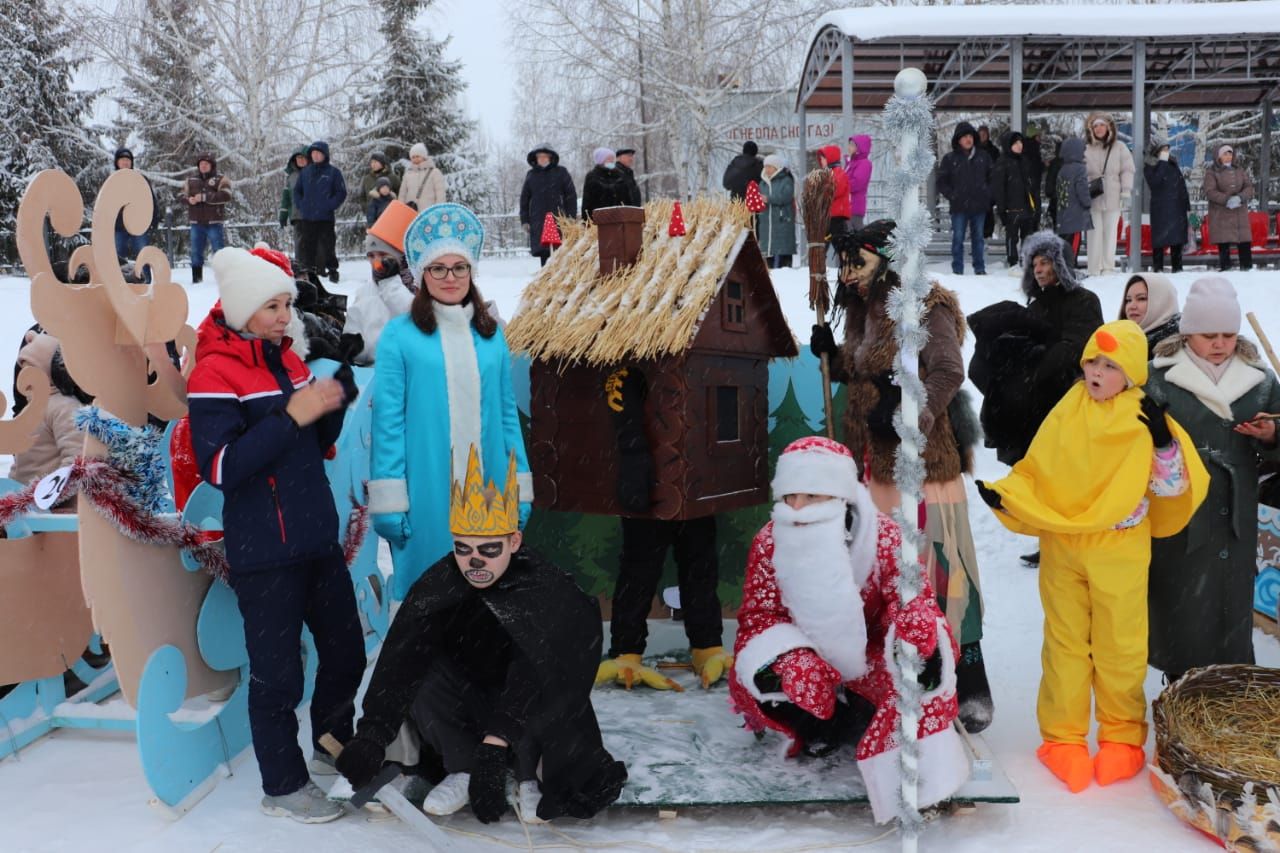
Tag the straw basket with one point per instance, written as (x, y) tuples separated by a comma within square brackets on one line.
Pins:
[(1218, 750)]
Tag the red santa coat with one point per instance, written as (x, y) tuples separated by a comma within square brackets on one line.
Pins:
[(767, 630)]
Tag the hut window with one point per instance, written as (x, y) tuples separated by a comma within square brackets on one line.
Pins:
[(735, 307), (727, 413)]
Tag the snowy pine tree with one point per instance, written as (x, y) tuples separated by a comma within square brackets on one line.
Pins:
[(44, 118)]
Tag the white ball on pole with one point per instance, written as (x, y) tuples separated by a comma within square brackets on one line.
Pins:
[(910, 83)]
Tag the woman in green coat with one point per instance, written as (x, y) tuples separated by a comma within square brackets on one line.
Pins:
[(1200, 595), (777, 225)]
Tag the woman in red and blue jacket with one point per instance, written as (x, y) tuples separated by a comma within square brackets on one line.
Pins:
[(261, 426)]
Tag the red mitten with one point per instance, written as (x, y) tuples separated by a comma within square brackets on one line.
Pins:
[(917, 623), (809, 681)]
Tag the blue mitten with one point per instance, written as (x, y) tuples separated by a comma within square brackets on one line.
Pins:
[(393, 527)]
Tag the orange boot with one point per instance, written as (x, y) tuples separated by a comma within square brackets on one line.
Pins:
[(1116, 762), (1069, 762)]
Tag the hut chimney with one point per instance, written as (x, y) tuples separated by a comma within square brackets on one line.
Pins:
[(619, 231)]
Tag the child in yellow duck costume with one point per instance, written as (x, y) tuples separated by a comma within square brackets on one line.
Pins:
[(1107, 471)]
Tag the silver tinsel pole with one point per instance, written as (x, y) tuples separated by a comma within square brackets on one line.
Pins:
[(908, 121)]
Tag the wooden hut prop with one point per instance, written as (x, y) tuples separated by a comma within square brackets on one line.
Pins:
[(696, 315)]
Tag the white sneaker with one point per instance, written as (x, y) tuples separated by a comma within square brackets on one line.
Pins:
[(308, 804), (528, 795), (449, 796)]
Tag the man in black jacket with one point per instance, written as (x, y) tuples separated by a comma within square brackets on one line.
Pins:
[(491, 659), (1016, 203), (742, 170), (548, 188), (963, 178), (627, 166)]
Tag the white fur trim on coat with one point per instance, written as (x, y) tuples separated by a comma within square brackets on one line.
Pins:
[(462, 383), (388, 496), (815, 473), (943, 768), (524, 480), (1239, 380), (763, 649)]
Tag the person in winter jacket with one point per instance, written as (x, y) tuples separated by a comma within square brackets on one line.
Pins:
[(820, 608), (319, 192), (987, 144), (964, 178), (1013, 196), (387, 293), (489, 661), (1229, 191), (1027, 357), (1074, 214), (604, 185), (288, 207), (742, 170), (379, 202), (1202, 580), (206, 194), (423, 184), (865, 364), (626, 158), (443, 384), (1107, 158), (261, 425), (547, 189), (1034, 158), (1151, 302), (858, 170), (776, 228), (129, 245), (1108, 471), (57, 440), (379, 168), (829, 158), (1051, 185), (1169, 204)]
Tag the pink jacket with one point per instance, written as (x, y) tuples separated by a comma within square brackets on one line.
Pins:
[(859, 171)]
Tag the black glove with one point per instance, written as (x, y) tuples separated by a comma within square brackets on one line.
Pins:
[(488, 787), (822, 341), (350, 345), (880, 418), (1153, 415), (931, 676), (989, 495), (345, 376), (360, 761)]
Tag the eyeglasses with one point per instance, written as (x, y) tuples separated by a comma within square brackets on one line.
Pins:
[(439, 271)]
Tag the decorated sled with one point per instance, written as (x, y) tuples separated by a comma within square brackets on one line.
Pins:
[(1266, 589)]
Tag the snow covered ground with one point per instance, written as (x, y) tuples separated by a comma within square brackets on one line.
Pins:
[(81, 790)]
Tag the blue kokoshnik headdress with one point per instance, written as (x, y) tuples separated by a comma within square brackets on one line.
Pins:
[(442, 229)]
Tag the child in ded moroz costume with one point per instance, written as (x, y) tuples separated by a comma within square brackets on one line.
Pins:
[(490, 661), (820, 613), (1107, 471)]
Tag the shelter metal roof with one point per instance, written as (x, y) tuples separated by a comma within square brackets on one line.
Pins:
[(1197, 56)]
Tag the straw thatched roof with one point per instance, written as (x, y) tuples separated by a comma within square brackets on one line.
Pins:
[(648, 310)]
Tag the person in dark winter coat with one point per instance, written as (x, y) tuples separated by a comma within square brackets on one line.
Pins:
[(604, 186), (1169, 204), (129, 245), (1051, 188), (260, 428), (1151, 301), (206, 194), (491, 659), (1027, 357), (776, 227), (1034, 158), (626, 158), (288, 207), (383, 197), (742, 170), (379, 168), (964, 178), (547, 189), (1071, 195), (1214, 383), (987, 144), (1229, 190), (319, 192), (1011, 192)]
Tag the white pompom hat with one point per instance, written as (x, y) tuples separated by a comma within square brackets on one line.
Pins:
[(246, 281)]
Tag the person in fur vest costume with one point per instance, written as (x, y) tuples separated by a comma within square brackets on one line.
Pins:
[(804, 661), (865, 365)]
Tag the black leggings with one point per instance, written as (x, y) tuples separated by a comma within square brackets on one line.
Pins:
[(1175, 258), (1245, 251)]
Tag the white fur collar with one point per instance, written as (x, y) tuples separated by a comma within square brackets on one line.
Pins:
[(1239, 380), (462, 380)]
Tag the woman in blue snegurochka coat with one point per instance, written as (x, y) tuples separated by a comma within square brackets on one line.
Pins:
[(443, 384)]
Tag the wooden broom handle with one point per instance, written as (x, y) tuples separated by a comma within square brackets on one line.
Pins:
[(331, 745), (1266, 344)]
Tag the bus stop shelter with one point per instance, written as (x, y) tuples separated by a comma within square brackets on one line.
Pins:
[(1017, 58)]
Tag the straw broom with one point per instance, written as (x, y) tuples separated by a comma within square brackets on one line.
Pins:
[(819, 190)]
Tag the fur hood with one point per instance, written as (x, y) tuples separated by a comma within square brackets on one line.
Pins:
[(1049, 245), (1112, 133), (1246, 349)]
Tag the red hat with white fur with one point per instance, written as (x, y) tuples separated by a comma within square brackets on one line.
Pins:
[(247, 280), (816, 465)]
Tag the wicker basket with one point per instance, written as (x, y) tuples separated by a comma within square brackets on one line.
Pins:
[(1203, 787)]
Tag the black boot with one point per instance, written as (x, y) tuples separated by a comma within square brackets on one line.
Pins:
[(1031, 559), (197, 275), (972, 689)]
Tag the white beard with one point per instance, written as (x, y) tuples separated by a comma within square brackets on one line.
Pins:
[(819, 578)]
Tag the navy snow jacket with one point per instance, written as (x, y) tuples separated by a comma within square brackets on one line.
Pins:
[(320, 188), (277, 504)]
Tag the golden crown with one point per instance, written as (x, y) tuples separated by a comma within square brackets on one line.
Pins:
[(479, 510)]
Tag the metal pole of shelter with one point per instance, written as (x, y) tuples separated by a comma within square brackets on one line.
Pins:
[(1139, 147), (846, 89), (1264, 163), (1017, 109)]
